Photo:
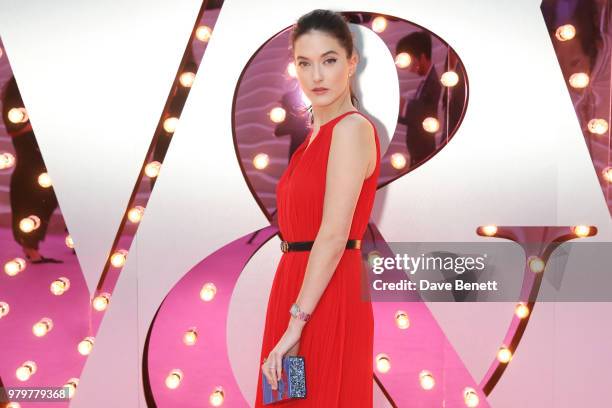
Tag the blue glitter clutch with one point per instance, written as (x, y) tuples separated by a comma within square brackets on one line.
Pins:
[(292, 383)]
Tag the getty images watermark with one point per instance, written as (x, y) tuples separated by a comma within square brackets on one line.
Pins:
[(487, 272)]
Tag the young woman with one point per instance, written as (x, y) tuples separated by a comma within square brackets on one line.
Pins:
[(324, 200)]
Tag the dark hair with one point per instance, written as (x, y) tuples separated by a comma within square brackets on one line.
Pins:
[(330, 22), (415, 44)]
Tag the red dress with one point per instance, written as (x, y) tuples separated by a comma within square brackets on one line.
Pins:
[(337, 341)]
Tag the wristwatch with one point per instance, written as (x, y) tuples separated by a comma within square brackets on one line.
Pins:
[(298, 314)]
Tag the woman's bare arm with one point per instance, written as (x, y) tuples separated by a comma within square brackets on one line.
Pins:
[(352, 147)]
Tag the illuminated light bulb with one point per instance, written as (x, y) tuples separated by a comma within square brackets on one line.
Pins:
[(203, 33), (4, 309), (186, 79), (403, 60), (581, 230), (470, 397), (69, 242), (25, 371), (17, 115), (291, 70), (431, 125), (118, 258), (72, 385), (261, 161), (427, 380), (152, 169), (190, 337), (565, 32), (60, 286), (44, 180), (42, 327), (521, 310), (173, 380), (216, 397), (170, 124), (100, 302), (607, 174), (7, 161), (372, 255), (379, 24), (398, 161), (14, 266), (383, 363), (504, 355), (489, 230), (86, 345), (401, 319), (579, 80), (277, 115), (135, 214), (449, 79), (29, 224), (13, 405), (598, 126), (208, 292), (536, 264)]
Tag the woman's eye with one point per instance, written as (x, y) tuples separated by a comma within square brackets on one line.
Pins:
[(331, 60), (302, 63)]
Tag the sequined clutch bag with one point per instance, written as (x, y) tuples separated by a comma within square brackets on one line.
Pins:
[(292, 383)]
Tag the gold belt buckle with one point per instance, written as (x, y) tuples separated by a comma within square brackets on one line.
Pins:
[(284, 246)]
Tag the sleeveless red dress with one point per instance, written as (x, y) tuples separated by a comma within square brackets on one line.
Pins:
[(337, 341)]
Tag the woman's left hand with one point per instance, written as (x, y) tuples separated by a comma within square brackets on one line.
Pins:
[(274, 362)]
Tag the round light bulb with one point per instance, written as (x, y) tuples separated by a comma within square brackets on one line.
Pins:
[(4, 309), (42, 327), (69, 242), (100, 302), (135, 214), (489, 230), (86, 345), (383, 363), (26, 370), (118, 258), (208, 292), (152, 169), (17, 115), (521, 310), (401, 319), (72, 385), (607, 174), (13, 405), (403, 60), (581, 230), (579, 80), (14, 266), (203, 33), (291, 70), (431, 125), (504, 355), (565, 32), (427, 380), (278, 114), (598, 126), (60, 286), (261, 161), (449, 79), (536, 264), (44, 180), (470, 397), (7, 161), (29, 224), (398, 161), (372, 255), (173, 380), (170, 124), (216, 397), (190, 337), (379, 24), (186, 79)]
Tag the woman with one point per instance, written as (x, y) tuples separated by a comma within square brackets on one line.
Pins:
[(324, 198)]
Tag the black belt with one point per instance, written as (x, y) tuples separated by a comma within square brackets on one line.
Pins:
[(307, 245)]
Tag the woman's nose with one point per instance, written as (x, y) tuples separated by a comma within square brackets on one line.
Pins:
[(317, 74)]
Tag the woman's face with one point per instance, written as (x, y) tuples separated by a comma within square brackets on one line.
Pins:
[(322, 67)]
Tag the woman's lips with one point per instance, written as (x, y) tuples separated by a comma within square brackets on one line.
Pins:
[(319, 91)]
